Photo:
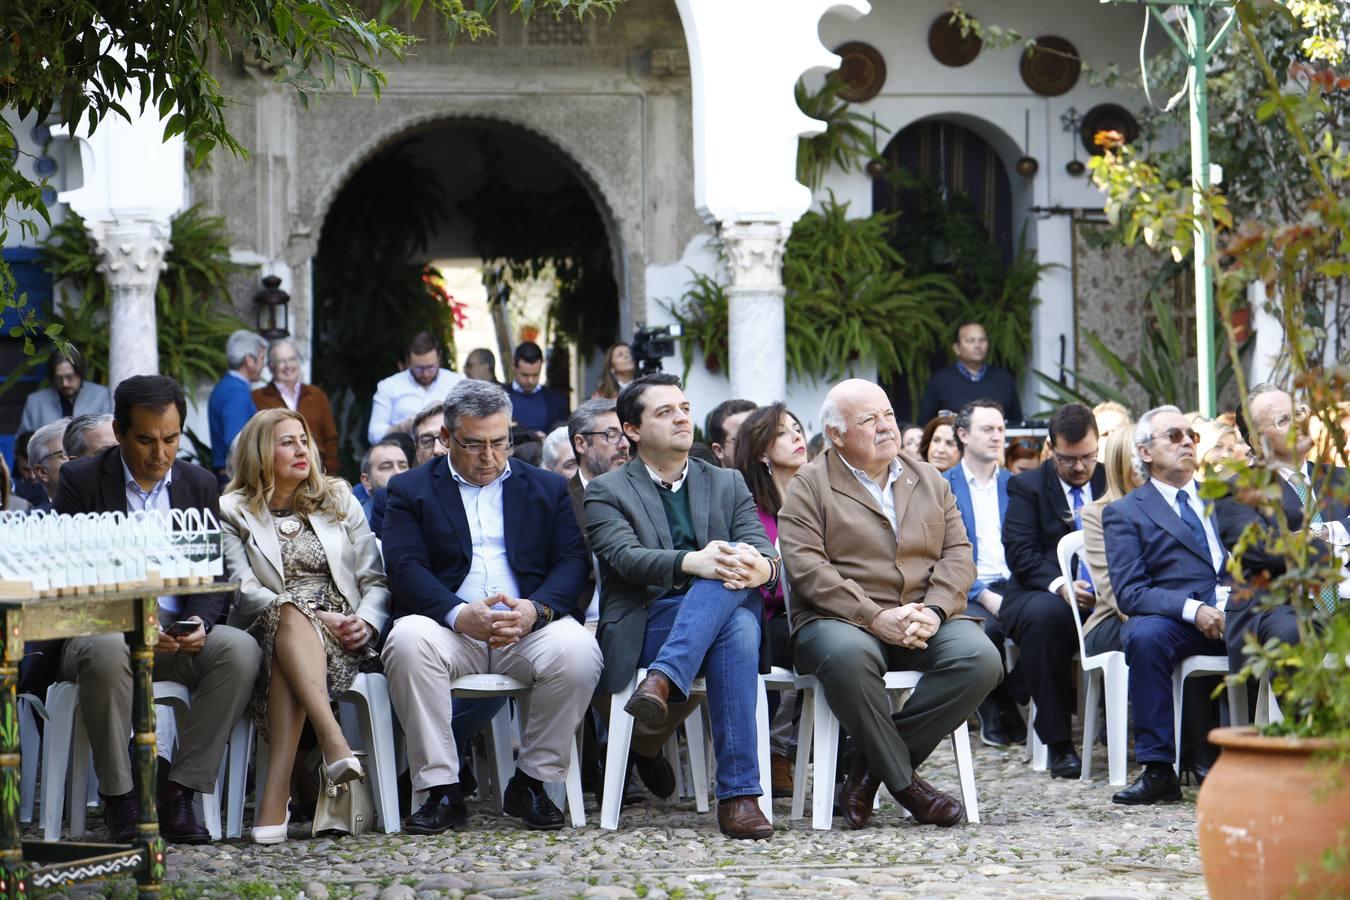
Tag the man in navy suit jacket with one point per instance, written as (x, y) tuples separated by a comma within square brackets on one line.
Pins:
[(486, 563), (980, 486), (231, 404), (1167, 569)]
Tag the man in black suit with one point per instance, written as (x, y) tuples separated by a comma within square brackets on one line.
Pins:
[(1278, 435), (217, 663), (486, 563), (1038, 607)]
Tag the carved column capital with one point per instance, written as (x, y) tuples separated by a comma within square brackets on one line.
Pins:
[(756, 318), (754, 252), (131, 252)]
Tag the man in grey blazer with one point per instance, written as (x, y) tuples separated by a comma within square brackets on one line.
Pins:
[(69, 396), (681, 552)]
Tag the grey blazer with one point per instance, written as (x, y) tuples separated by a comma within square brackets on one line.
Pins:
[(44, 406), (253, 556), (627, 528)]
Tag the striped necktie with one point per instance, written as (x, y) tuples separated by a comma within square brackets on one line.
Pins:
[(1329, 597)]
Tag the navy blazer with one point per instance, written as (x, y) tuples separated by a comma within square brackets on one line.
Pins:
[(956, 477), (428, 548), (1038, 517), (1154, 562), (227, 412)]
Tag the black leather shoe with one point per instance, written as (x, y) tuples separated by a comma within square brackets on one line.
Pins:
[(656, 774), (443, 810), (991, 724), (1064, 761), (1156, 784), (121, 814), (177, 822), (1195, 771), (1014, 726), (525, 799)]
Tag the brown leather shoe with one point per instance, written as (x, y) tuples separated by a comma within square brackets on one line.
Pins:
[(648, 703), (857, 794), (740, 818), (928, 805), (781, 768)]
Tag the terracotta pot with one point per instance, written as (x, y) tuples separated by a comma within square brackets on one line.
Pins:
[(1266, 813)]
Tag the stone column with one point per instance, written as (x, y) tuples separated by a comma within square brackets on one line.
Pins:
[(757, 325), (132, 253)]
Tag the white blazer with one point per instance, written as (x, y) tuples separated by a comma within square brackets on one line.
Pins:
[(253, 558)]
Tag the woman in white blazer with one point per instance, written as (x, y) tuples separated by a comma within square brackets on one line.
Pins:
[(311, 590)]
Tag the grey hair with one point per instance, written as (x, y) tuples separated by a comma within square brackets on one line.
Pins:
[(278, 343), (583, 418), (74, 441), (242, 344), (45, 437), (1264, 387), (425, 413), (555, 447), (831, 416), (1143, 436), (475, 400)]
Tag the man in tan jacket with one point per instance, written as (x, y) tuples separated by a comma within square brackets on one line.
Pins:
[(879, 566)]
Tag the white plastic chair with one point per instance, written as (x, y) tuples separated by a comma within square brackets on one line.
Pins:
[(1267, 706), (1104, 671), (499, 741), (621, 738), (30, 745), (369, 696), (1040, 754), (1199, 666)]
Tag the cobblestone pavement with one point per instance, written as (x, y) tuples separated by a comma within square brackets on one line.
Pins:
[(1039, 837)]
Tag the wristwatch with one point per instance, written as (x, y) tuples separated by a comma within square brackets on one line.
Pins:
[(1319, 531), (543, 614)]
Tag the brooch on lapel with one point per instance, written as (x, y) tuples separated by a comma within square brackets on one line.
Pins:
[(288, 527)]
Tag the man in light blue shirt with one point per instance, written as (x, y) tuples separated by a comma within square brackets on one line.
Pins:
[(402, 395)]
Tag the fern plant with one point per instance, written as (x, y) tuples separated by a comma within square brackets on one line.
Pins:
[(848, 140), (190, 328)]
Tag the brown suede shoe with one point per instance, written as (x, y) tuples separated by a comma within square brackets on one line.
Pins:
[(741, 818), (857, 794), (648, 703), (781, 767), (928, 805)]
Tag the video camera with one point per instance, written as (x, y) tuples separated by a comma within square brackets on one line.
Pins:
[(651, 344)]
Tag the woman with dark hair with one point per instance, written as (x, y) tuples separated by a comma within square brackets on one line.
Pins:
[(620, 369), (939, 447), (770, 449)]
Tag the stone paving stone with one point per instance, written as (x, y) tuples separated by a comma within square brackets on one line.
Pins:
[(1039, 837)]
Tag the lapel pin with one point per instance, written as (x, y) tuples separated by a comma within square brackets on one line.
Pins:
[(909, 481)]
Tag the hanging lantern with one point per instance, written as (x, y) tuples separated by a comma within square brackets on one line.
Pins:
[(273, 309)]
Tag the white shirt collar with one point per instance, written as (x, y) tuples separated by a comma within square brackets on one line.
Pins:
[(893, 472), (1169, 492), (515, 386), (129, 480), (661, 482), (973, 480), (506, 473)]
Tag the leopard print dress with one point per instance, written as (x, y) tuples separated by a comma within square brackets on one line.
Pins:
[(310, 589)]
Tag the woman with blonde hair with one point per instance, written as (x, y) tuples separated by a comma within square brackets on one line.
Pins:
[(311, 591), (620, 369), (1101, 631)]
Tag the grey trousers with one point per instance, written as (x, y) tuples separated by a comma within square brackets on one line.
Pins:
[(960, 667), (220, 677), (561, 663)]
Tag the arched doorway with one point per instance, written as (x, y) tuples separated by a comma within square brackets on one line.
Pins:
[(959, 212), (409, 238)]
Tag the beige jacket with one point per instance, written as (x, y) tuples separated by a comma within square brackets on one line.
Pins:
[(843, 560), (1094, 549), (253, 558)]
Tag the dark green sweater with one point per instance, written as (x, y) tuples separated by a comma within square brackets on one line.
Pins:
[(681, 520)]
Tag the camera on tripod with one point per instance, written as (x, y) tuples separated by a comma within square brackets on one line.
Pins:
[(653, 343)]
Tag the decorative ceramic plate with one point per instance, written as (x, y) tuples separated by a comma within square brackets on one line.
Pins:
[(1107, 117), (1052, 67), (948, 46), (861, 72)]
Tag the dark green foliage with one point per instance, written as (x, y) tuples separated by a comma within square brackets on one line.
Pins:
[(192, 290), (848, 141)]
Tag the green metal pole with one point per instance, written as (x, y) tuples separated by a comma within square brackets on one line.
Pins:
[(1204, 239)]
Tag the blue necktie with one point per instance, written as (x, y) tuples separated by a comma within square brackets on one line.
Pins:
[(1192, 522), (1077, 494)]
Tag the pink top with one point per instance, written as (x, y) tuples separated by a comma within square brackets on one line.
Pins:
[(773, 602)]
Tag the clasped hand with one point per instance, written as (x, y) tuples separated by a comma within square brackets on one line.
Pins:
[(737, 566), (187, 643), (497, 627), (351, 632), (1210, 622), (909, 626)]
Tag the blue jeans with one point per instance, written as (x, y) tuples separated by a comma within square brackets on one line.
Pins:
[(714, 632)]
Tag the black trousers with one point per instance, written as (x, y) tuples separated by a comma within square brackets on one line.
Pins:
[(1041, 624)]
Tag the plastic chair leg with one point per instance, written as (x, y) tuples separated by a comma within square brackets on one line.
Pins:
[(805, 732), (1091, 694), (826, 751), (237, 758), (576, 803), (377, 732), (616, 756), (672, 754), (503, 763), (62, 710), (1040, 754), (765, 767), (30, 745), (698, 758), (1117, 678), (1177, 682), (81, 773), (965, 769)]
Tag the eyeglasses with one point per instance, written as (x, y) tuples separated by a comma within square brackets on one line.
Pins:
[(1283, 421), (58, 453), (1086, 459), (611, 435), (424, 370), (428, 440), (500, 445), (1174, 435), (287, 361)]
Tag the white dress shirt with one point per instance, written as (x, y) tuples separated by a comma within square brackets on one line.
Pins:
[(489, 572), (400, 397), (289, 396), (672, 486), (1169, 494), (155, 499), (883, 495), (992, 564)]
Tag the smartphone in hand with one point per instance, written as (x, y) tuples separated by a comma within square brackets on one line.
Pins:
[(183, 628)]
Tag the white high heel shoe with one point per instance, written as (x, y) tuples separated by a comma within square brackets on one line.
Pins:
[(271, 834), (344, 770)]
